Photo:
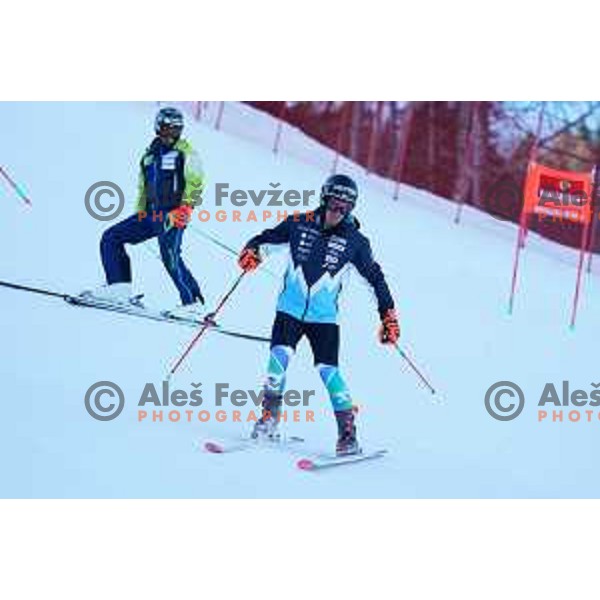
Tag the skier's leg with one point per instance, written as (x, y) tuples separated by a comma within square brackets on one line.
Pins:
[(170, 251), (339, 394), (324, 339), (285, 335), (115, 260)]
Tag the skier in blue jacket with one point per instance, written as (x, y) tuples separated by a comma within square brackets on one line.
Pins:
[(323, 245)]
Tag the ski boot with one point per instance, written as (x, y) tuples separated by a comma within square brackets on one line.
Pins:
[(187, 312), (347, 443), (118, 294), (266, 427)]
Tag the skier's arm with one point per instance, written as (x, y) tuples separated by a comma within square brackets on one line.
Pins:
[(369, 268), (193, 174), (140, 200), (389, 332), (194, 179), (277, 235), (250, 257)]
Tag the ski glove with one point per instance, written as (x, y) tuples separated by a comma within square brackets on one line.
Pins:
[(180, 216), (249, 259), (389, 332)]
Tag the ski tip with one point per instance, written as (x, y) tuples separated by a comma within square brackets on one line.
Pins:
[(305, 464), (214, 448)]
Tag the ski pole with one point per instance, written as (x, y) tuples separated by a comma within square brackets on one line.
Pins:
[(414, 367), (15, 187), (214, 240), (220, 244), (206, 325)]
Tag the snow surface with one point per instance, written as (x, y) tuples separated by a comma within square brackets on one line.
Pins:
[(451, 284)]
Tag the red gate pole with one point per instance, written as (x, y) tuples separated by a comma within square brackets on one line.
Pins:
[(584, 244), (595, 214), (585, 247), (523, 224), (513, 287)]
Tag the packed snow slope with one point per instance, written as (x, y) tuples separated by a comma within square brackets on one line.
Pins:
[(450, 282)]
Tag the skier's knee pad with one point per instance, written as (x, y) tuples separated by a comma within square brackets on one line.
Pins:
[(279, 360), (338, 391)]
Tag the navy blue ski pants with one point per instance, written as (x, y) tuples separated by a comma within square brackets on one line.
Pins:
[(132, 230)]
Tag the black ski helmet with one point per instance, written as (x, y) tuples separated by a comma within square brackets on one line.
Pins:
[(341, 187), (168, 116)]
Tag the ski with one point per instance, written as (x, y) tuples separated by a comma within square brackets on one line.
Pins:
[(315, 462), (145, 313), (327, 461), (133, 310), (229, 445)]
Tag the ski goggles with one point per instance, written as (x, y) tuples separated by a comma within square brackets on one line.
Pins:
[(171, 129), (339, 206)]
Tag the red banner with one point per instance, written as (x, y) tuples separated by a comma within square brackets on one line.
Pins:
[(562, 196), (559, 195)]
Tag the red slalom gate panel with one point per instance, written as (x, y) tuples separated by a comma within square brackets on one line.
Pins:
[(562, 196)]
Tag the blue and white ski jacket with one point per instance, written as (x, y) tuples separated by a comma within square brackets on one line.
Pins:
[(319, 258)]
